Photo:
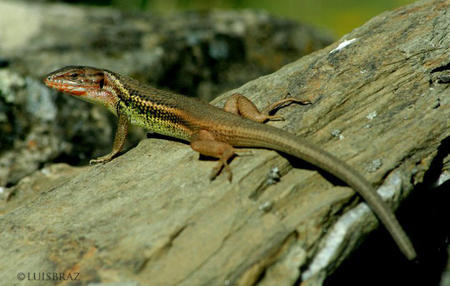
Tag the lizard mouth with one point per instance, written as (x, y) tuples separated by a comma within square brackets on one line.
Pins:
[(71, 87)]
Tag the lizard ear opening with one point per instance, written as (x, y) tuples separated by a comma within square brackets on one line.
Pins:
[(101, 83)]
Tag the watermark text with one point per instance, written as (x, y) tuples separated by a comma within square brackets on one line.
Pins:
[(45, 276)]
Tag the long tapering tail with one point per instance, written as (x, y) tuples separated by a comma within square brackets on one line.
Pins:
[(280, 140)]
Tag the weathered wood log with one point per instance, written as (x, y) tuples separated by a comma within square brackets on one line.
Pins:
[(380, 102)]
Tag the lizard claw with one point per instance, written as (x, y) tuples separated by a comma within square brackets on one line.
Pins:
[(217, 170), (100, 160), (275, 117)]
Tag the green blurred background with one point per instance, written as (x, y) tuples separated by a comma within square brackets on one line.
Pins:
[(339, 16)]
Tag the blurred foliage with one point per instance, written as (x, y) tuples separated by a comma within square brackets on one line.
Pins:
[(339, 16)]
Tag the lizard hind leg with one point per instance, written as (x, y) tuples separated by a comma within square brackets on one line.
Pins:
[(204, 143), (240, 105)]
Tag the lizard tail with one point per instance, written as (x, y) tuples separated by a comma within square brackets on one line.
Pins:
[(277, 139)]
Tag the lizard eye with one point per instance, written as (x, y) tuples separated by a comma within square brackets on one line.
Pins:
[(73, 75)]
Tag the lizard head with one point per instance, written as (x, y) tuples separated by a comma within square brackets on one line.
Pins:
[(86, 83), (76, 80)]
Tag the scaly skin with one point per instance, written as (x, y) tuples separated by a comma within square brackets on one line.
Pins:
[(211, 131)]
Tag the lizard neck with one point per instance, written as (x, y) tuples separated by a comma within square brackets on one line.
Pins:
[(148, 107)]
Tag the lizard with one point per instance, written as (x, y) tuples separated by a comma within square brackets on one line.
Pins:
[(211, 131)]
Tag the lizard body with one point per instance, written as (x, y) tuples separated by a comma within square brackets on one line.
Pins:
[(211, 131)]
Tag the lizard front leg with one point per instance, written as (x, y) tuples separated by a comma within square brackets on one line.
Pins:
[(240, 105), (119, 140), (205, 143)]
